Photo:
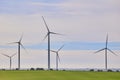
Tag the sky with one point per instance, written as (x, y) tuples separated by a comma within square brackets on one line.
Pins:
[(83, 24)]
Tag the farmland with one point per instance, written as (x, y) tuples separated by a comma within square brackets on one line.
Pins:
[(58, 75)]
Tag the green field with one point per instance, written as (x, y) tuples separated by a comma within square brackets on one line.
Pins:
[(58, 75)]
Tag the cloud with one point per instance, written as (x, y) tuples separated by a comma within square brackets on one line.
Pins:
[(75, 7), (68, 7), (78, 20), (83, 23)]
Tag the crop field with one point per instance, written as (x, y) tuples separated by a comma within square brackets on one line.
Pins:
[(58, 75)]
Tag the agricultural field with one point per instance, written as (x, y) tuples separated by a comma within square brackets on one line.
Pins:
[(58, 75)]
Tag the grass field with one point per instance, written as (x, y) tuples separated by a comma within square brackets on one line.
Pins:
[(58, 75)]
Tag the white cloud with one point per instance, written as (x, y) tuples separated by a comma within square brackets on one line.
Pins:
[(75, 28), (79, 20), (79, 7)]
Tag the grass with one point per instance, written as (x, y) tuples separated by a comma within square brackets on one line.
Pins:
[(58, 75)]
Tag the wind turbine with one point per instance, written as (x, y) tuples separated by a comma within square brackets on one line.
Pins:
[(57, 56), (10, 57), (48, 35), (19, 47), (106, 50)]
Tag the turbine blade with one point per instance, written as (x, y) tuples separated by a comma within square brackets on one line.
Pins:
[(55, 33), (45, 24), (13, 43), (58, 56), (5, 55), (112, 52), (21, 38), (106, 41), (13, 55), (45, 37), (100, 50), (61, 48), (53, 51), (23, 48)]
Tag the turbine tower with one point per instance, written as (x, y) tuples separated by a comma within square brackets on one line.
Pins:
[(106, 50), (19, 48), (10, 57), (48, 35), (57, 56)]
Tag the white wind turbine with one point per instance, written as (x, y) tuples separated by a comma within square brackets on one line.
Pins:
[(10, 58), (19, 49), (48, 35), (57, 56), (106, 51)]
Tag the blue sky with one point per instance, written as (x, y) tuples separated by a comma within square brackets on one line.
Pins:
[(83, 23), (71, 46)]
